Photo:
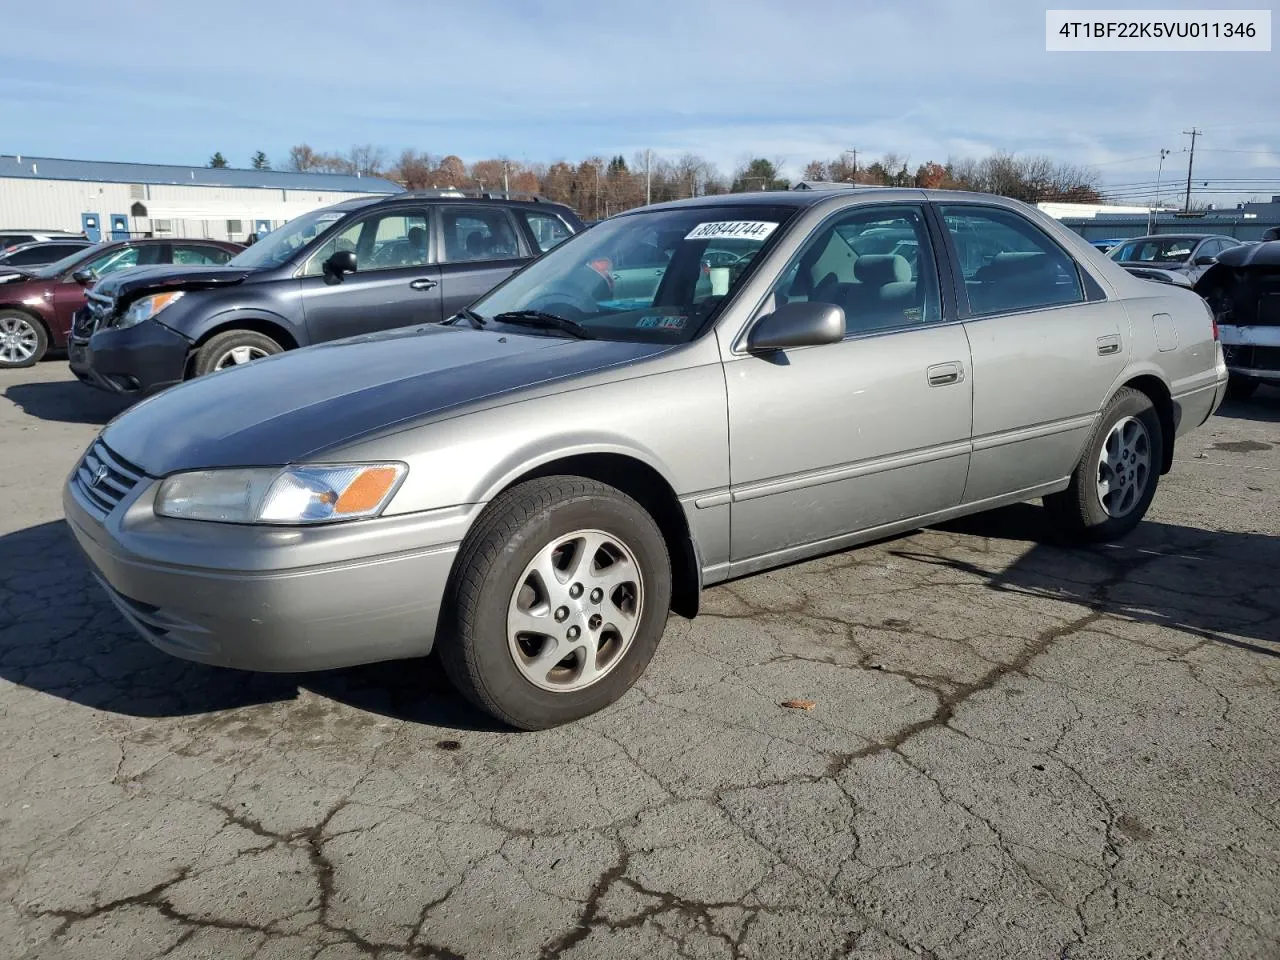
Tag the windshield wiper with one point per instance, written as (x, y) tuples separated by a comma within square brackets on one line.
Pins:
[(546, 321), (470, 316)]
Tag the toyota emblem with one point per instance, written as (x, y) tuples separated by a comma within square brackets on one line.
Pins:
[(98, 476)]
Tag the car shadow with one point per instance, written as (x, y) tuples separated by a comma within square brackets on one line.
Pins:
[(1215, 585), (1262, 407), (66, 401), (59, 634)]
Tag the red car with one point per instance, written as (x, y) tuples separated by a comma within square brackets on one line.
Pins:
[(36, 304)]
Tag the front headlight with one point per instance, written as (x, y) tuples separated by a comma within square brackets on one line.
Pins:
[(302, 494), (147, 307)]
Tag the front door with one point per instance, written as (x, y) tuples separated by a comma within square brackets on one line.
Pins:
[(480, 248), (69, 294), (830, 440), (395, 283), (1046, 354)]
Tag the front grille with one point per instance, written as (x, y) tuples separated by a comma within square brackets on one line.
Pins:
[(104, 478)]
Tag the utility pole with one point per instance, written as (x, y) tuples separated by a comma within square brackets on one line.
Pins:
[(1151, 227), (1192, 133), (853, 177), (506, 183), (648, 179)]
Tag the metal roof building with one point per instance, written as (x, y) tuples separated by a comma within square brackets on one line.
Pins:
[(108, 199)]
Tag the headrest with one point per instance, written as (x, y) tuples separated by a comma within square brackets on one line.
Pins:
[(881, 268)]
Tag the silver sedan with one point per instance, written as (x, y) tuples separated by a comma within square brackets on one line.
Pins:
[(682, 394)]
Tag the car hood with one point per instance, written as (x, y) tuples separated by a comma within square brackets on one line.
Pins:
[(136, 280), (295, 405)]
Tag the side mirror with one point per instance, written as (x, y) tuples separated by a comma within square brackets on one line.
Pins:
[(1205, 260), (84, 277), (340, 264), (800, 324)]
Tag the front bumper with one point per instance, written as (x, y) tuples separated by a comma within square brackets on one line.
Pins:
[(268, 598), (1252, 351), (134, 360)]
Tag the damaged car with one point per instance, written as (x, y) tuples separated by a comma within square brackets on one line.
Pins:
[(1243, 290)]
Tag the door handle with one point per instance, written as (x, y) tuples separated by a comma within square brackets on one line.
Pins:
[(944, 374), (423, 284), (1108, 345)]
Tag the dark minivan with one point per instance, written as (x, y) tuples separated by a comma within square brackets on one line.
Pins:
[(356, 267)]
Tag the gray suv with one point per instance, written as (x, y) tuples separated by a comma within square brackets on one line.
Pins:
[(356, 267)]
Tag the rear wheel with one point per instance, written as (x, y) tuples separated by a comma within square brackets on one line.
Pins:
[(1116, 478), (557, 604), (233, 348), (23, 340), (1241, 388)]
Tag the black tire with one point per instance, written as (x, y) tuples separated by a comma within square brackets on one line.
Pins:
[(30, 327), (1241, 388), (1078, 512), (218, 347), (472, 640)]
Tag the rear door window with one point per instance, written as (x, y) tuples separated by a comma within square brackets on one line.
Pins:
[(199, 254), (1009, 264), (478, 233)]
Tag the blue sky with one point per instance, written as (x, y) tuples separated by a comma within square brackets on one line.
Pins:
[(173, 82)]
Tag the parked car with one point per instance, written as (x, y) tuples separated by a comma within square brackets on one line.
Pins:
[(1104, 245), (39, 252), (533, 484), (356, 267), (1171, 258), (13, 238), (37, 304), (1243, 290)]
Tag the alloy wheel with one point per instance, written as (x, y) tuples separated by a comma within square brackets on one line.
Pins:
[(1124, 467), (237, 356), (575, 610), (18, 339)]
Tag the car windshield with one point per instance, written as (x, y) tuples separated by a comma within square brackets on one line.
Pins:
[(1155, 250), (49, 271), (279, 245), (657, 276)]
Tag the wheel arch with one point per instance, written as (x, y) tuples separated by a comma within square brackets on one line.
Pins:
[(1150, 382), (645, 483), (276, 328)]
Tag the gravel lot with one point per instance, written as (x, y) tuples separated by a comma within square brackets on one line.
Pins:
[(1015, 751)]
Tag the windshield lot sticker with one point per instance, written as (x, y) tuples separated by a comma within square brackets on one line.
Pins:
[(663, 321), (733, 230)]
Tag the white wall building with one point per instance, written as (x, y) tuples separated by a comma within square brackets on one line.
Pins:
[(118, 200)]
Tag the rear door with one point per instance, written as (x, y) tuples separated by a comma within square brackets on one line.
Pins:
[(1047, 348), (395, 283), (480, 247)]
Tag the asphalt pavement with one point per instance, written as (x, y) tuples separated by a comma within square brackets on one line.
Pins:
[(1010, 749)]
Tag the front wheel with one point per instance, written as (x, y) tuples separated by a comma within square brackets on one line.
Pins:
[(23, 340), (557, 603), (233, 348), (1116, 478)]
